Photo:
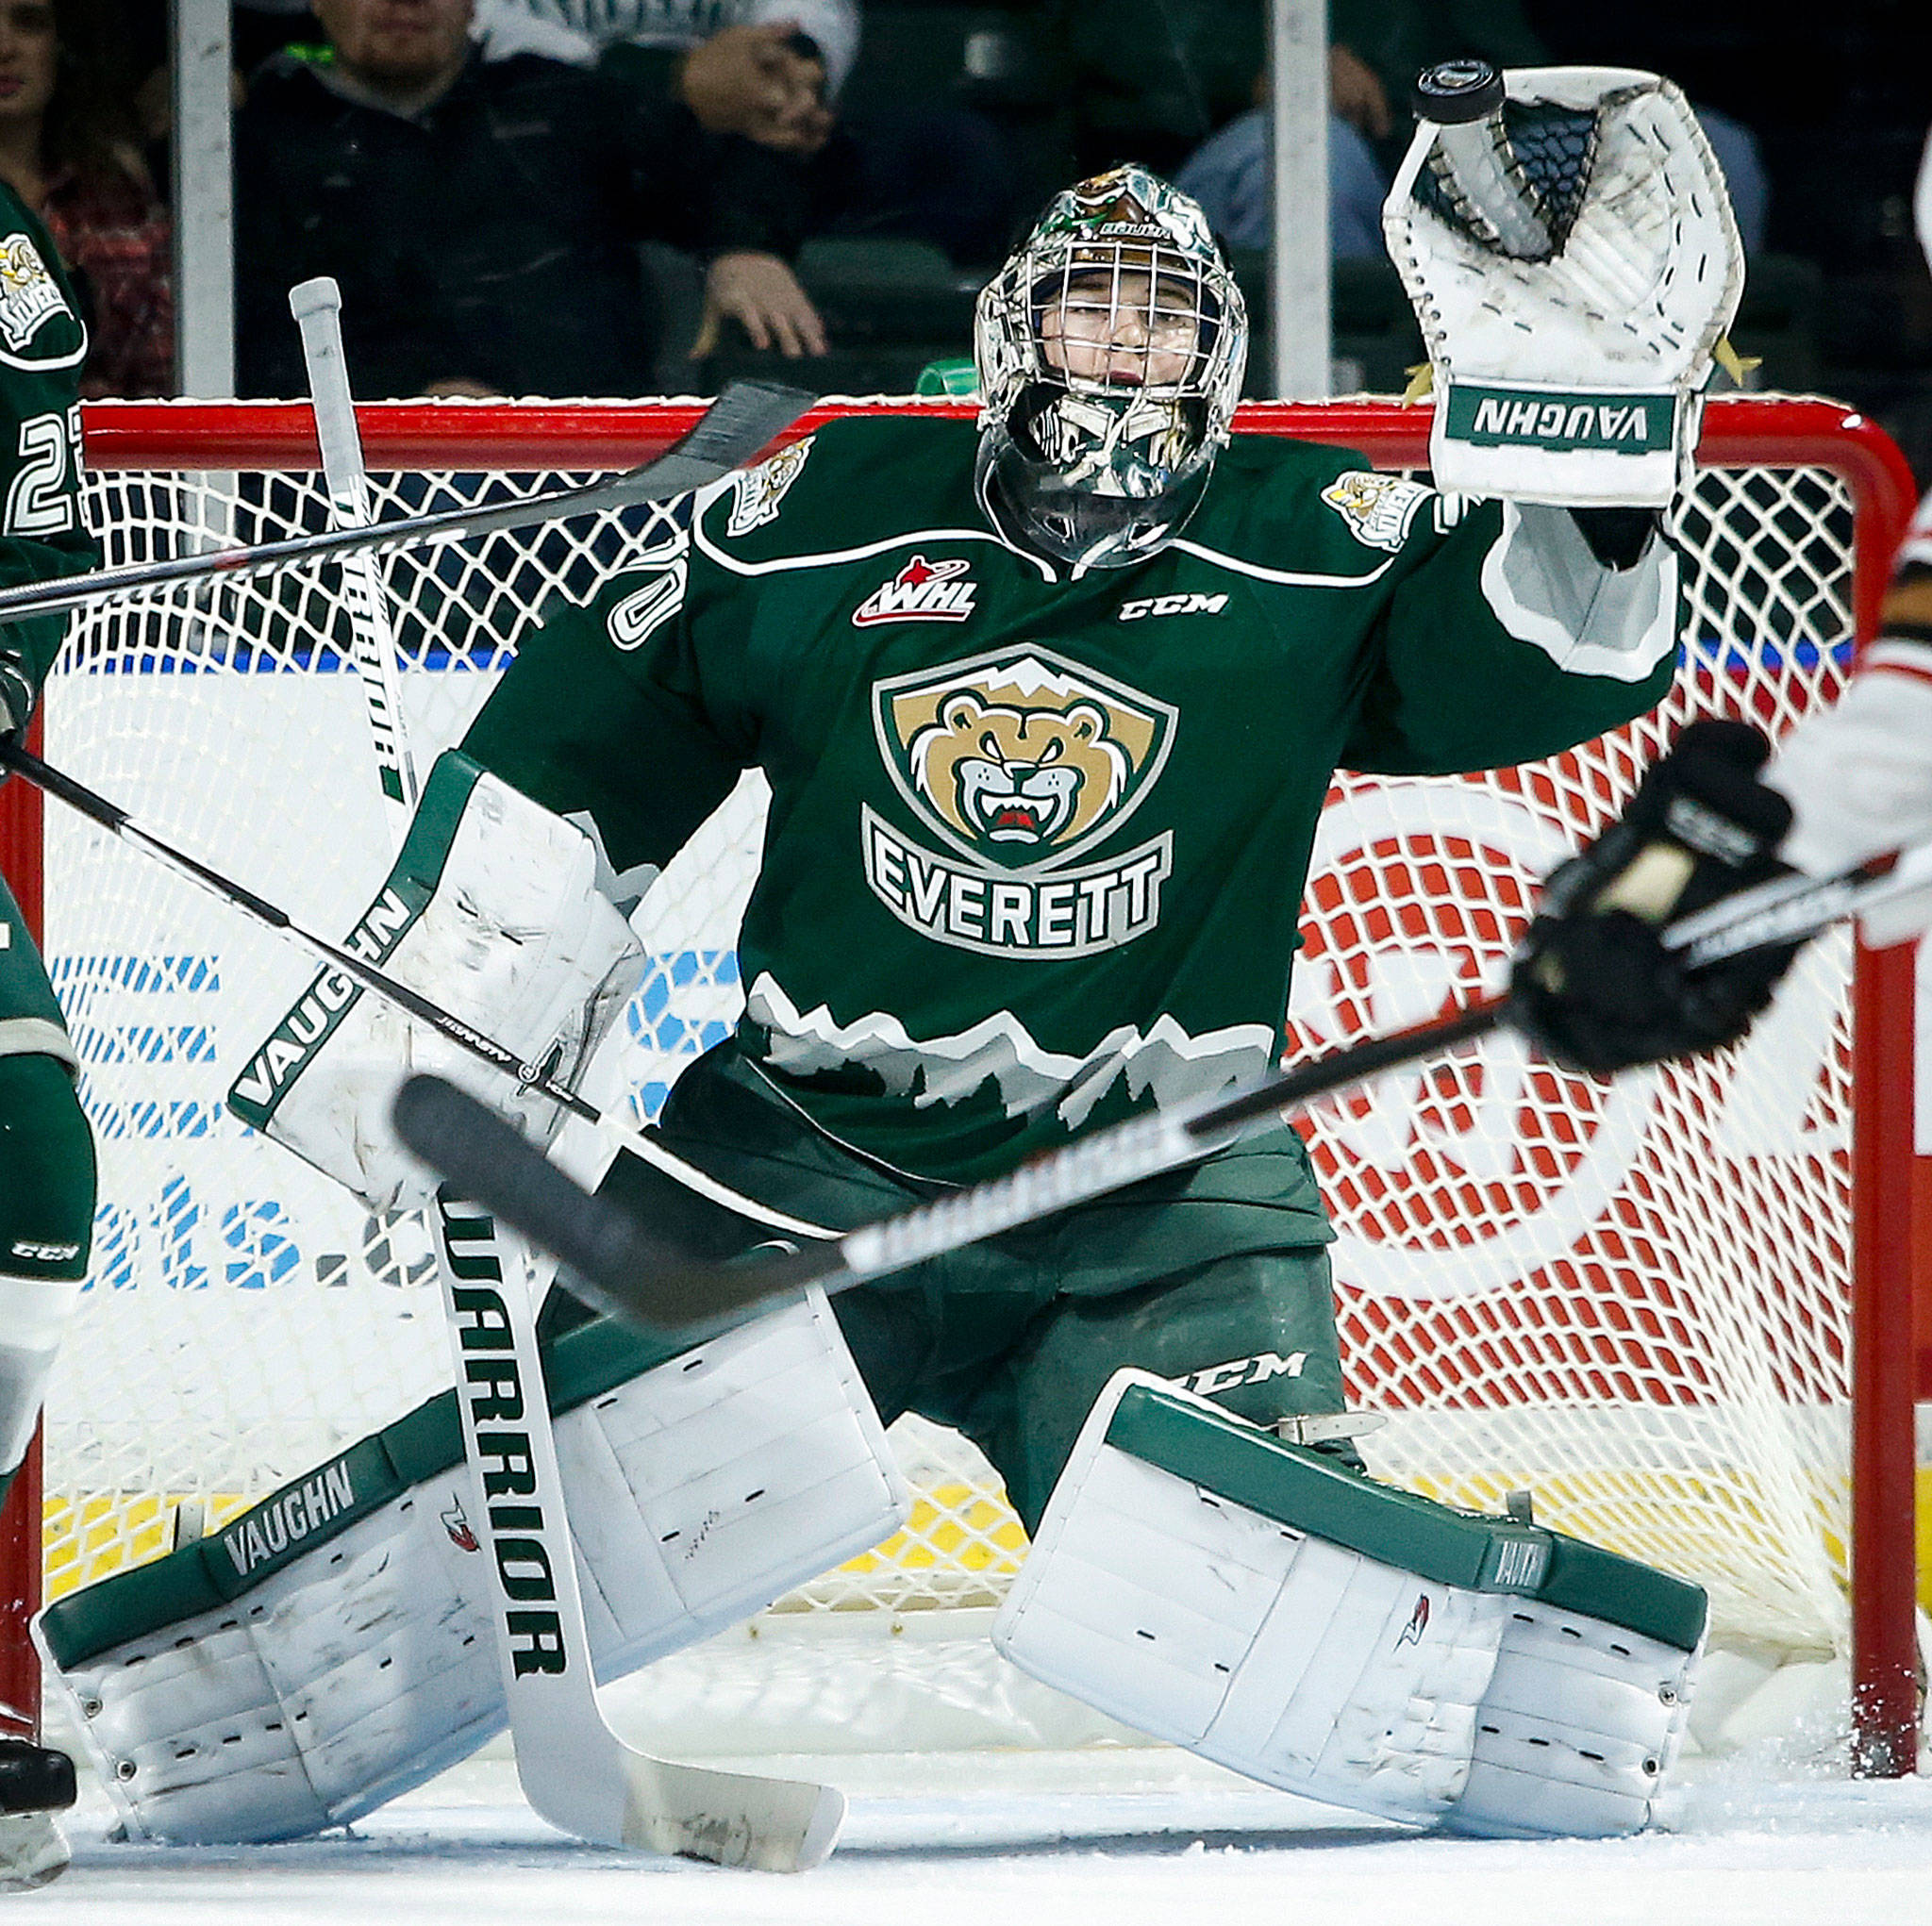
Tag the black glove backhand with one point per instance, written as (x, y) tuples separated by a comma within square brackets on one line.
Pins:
[(16, 695), (1593, 985), (16, 700)]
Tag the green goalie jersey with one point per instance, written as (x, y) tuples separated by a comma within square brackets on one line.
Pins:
[(1038, 838)]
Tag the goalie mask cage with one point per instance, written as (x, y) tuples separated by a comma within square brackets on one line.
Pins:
[(1677, 1309)]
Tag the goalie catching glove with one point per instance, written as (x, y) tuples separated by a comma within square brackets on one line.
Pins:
[(1574, 262), (1593, 984), (491, 912)]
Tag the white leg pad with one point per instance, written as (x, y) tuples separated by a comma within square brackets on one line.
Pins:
[(1580, 1724), (1303, 1663), (34, 1314), (699, 1492)]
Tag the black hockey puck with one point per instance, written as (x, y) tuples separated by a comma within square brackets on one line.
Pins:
[(1456, 92), (34, 1778)]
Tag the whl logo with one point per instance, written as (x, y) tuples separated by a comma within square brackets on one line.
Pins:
[(920, 592)]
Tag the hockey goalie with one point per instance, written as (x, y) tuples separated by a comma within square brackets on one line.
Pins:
[(1048, 705)]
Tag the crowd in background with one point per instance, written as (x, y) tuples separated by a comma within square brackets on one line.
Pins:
[(600, 197)]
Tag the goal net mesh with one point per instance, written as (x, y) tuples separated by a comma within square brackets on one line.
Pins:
[(1633, 1300)]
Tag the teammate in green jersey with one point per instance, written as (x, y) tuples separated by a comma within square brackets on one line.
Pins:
[(46, 1154)]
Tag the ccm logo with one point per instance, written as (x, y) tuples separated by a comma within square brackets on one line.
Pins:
[(1172, 604)]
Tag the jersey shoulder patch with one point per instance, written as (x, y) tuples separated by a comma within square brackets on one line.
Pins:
[(756, 492), (30, 301), (1375, 508)]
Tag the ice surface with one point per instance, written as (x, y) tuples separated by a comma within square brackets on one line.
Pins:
[(1111, 1837)]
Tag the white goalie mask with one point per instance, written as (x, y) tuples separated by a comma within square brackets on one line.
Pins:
[(1111, 350)]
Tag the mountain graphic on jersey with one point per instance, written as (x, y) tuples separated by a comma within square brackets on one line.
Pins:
[(1020, 761)]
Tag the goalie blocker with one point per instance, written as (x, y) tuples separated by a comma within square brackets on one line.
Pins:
[(492, 910)]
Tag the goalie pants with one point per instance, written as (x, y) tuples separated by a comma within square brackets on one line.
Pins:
[(1212, 1278), (46, 1184)]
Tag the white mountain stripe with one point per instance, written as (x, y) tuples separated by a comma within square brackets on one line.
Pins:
[(1166, 1064), (913, 537), (1293, 579)]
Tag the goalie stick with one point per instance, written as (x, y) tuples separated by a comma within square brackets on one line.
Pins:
[(746, 417), (574, 1771), (317, 307), (615, 1263)]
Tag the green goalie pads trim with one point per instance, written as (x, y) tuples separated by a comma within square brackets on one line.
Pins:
[(411, 883), (1491, 417), (1312, 1493), (292, 1523)]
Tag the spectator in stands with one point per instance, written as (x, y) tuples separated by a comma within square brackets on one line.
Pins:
[(928, 168), (801, 51), (1380, 45), (1230, 173), (70, 149), (482, 216)]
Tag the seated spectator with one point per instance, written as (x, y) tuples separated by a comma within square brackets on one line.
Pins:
[(800, 50), (928, 169), (70, 148), (482, 216), (1232, 174)]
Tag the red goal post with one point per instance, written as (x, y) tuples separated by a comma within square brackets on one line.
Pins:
[(1749, 436)]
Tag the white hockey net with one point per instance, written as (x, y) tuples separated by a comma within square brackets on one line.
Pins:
[(1633, 1301)]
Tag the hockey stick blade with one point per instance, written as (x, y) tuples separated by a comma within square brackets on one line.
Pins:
[(603, 1247), (746, 416)]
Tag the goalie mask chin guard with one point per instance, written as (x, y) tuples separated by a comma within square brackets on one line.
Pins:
[(1111, 350)]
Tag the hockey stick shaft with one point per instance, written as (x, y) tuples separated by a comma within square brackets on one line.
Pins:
[(317, 307), (118, 822), (743, 419), (622, 1269), (574, 1769), (1789, 908)]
